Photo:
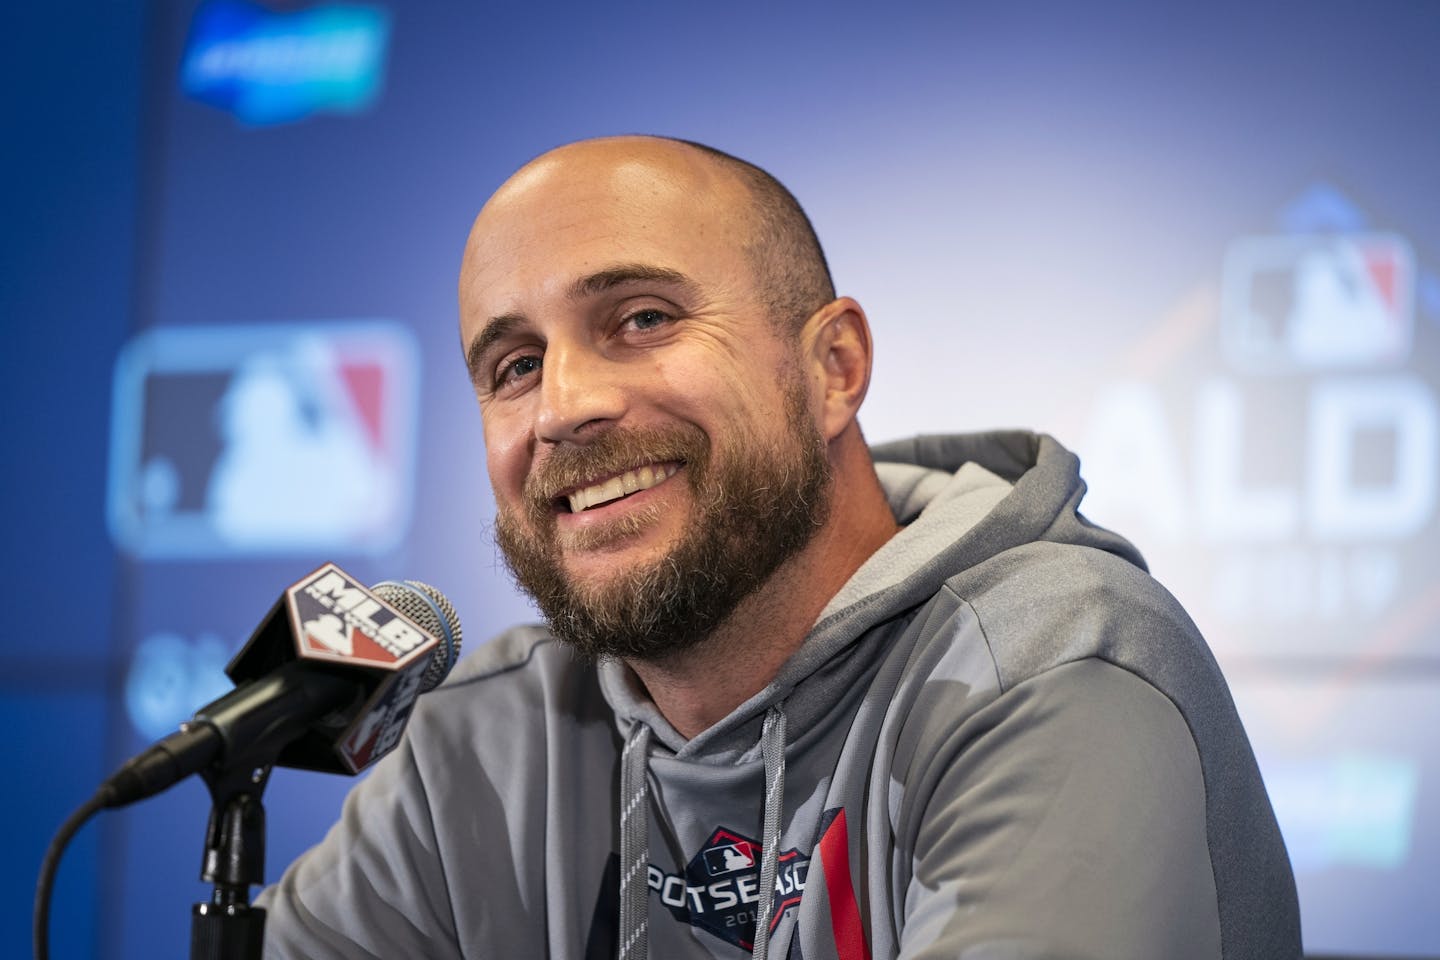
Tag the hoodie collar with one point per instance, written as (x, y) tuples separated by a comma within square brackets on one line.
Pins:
[(961, 499)]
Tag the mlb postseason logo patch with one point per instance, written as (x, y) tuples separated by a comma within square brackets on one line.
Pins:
[(720, 889)]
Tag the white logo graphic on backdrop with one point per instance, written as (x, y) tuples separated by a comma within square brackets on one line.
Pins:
[(296, 462), (1312, 461), (1318, 301), (248, 440), (170, 677)]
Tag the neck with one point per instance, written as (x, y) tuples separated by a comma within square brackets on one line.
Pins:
[(698, 688)]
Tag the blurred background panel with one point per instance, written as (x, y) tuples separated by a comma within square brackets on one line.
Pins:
[(1199, 245)]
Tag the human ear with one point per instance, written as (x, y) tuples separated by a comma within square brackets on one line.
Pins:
[(840, 352)]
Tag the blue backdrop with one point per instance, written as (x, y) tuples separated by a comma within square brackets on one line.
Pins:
[(1200, 245)]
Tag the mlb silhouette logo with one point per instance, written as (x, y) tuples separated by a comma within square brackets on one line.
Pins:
[(263, 440), (1314, 302), (729, 858)]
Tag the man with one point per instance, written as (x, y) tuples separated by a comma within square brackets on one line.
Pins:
[(795, 697)]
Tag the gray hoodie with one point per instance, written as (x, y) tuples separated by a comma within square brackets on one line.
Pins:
[(1002, 739)]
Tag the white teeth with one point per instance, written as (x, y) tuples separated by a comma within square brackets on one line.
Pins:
[(631, 481)]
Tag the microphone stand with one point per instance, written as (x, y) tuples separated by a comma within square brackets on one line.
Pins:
[(226, 927)]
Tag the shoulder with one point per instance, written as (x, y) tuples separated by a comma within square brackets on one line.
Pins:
[(1103, 702), (1088, 579), (515, 649), (523, 656), (1065, 626), (1043, 604), (1032, 610), (512, 689), (1072, 808)]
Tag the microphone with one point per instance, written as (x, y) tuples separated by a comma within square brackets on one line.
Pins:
[(326, 682)]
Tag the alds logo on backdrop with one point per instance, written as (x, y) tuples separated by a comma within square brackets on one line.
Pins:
[(1280, 438)]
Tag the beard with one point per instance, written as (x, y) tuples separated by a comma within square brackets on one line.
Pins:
[(753, 511)]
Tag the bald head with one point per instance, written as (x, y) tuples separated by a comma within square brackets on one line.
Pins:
[(752, 211)]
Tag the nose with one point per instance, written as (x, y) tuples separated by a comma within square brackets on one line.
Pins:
[(580, 391)]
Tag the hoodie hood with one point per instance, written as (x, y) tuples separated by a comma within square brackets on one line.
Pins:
[(960, 500)]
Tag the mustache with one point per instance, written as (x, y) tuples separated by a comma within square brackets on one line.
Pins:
[(569, 466)]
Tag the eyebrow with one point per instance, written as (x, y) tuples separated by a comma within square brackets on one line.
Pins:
[(590, 285), (495, 329), (617, 276)]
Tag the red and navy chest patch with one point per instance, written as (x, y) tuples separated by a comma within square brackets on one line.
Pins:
[(719, 890)]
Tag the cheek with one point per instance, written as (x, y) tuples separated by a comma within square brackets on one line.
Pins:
[(709, 393), (507, 457)]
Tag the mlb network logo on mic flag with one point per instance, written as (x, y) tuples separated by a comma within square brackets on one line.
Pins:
[(264, 440), (334, 617)]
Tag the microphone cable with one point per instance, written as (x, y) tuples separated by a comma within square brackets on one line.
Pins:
[(51, 865)]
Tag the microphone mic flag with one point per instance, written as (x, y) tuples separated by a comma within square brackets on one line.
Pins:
[(326, 682)]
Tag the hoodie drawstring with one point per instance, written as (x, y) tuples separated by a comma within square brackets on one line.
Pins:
[(635, 845), (635, 836), (772, 748)]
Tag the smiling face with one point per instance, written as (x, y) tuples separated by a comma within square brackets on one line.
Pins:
[(649, 428)]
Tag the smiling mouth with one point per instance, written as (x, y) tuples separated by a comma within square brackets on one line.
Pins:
[(618, 487)]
